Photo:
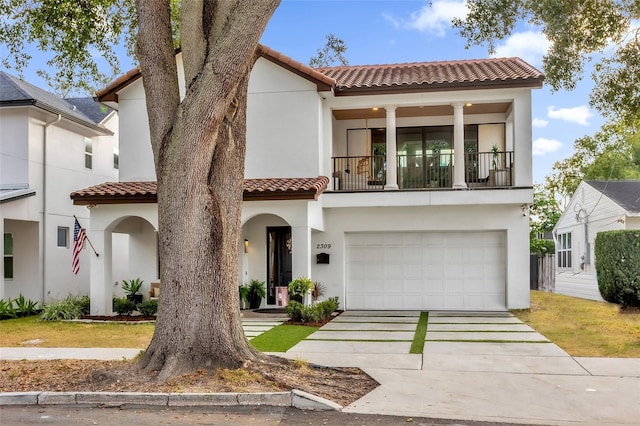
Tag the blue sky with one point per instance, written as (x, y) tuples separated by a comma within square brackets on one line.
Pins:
[(383, 31)]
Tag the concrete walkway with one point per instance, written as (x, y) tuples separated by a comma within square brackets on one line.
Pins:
[(482, 366)]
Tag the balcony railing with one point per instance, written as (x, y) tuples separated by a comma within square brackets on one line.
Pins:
[(429, 171)]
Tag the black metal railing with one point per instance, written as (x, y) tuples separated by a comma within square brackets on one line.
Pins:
[(359, 173), (428, 171), (488, 168)]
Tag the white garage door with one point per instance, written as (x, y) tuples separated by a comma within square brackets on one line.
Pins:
[(426, 270)]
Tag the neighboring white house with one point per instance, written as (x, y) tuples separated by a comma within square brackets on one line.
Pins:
[(596, 206), (48, 147), (377, 181)]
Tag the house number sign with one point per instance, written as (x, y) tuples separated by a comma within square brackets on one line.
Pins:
[(322, 246)]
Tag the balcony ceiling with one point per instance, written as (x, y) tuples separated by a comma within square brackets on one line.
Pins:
[(421, 111)]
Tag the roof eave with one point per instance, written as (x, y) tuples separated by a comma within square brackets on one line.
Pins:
[(533, 83)]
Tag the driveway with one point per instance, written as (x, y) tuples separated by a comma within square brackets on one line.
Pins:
[(474, 366)]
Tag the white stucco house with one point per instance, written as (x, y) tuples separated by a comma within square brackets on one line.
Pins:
[(377, 181), (49, 147), (596, 206)]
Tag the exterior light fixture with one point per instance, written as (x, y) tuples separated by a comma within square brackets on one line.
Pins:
[(375, 108), (468, 104), (246, 245)]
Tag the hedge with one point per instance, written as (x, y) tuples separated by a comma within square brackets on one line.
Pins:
[(618, 266)]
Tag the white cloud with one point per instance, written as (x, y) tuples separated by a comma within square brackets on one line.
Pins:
[(539, 122), (434, 18), (579, 115), (529, 45), (543, 146)]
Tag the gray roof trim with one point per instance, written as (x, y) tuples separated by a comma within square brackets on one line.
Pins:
[(16, 194), (18, 93)]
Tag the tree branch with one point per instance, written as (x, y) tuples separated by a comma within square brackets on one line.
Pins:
[(194, 45), (158, 66)]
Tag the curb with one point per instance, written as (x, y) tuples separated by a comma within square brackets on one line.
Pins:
[(294, 398)]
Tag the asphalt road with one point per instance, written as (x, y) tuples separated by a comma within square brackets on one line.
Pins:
[(146, 415)]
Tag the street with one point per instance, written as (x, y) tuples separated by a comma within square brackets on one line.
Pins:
[(149, 415)]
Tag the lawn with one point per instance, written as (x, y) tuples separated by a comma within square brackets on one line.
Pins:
[(584, 327), (56, 334)]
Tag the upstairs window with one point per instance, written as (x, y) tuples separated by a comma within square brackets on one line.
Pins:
[(116, 158), (63, 236), (8, 256), (563, 250), (88, 153)]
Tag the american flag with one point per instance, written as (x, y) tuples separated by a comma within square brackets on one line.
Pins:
[(78, 244)]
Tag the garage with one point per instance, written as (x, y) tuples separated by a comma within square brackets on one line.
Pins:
[(426, 270)]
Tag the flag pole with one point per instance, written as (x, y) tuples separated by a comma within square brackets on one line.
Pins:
[(87, 238)]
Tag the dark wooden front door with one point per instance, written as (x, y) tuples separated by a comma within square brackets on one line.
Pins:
[(278, 260)]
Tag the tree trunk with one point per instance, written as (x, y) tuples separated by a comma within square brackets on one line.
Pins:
[(199, 149)]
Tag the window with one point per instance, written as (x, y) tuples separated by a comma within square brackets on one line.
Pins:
[(63, 236), (88, 153), (563, 250), (8, 256), (116, 158)]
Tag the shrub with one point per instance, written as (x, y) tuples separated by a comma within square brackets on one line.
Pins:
[(312, 313), (84, 302), (25, 307), (618, 266), (299, 288), (318, 291), (541, 247), (123, 306), (65, 309), (132, 286), (7, 310), (148, 308)]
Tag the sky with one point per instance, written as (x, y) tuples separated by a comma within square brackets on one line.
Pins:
[(383, 32)]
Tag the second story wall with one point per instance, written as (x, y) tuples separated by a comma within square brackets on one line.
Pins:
[(14, 149), (136, 156), (283, 124)]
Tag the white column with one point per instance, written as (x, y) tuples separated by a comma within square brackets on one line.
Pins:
[(458, 146), (101, 287), (392, 167), (300, 252)]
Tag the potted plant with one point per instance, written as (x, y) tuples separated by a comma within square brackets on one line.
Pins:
[(244, 294), (497, 176), (255, 293), (299, 288), (132, 288)]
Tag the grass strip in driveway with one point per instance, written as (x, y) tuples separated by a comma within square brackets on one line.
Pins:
[(417, 347), (282, 337)]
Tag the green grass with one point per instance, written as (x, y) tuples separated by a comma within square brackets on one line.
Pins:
[(74, 334), (417, 347), (584, 327), (281, 338)]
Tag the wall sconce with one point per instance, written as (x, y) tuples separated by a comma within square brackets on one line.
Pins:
[(246, 245)]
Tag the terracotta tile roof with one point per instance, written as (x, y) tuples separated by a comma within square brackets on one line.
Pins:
[(254, 189), (117, 193), (274, 188), (442, 75), (435, 75)]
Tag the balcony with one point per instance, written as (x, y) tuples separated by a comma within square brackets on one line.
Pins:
[(423, 171)]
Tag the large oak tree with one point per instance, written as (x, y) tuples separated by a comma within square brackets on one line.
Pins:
[(198, 145)]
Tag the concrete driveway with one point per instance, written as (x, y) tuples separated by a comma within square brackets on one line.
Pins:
[(475, 366)]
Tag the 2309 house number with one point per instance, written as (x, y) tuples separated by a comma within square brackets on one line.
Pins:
[(323, 246)]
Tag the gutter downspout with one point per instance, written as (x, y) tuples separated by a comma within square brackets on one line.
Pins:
[(44, 202)]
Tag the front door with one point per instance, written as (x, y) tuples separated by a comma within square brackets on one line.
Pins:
[(278, 260)]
